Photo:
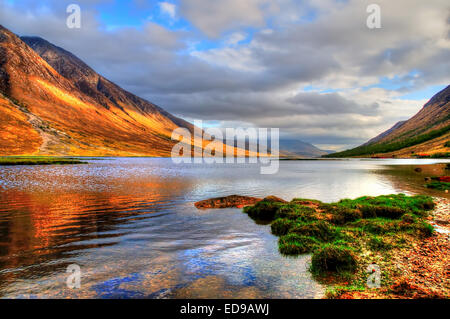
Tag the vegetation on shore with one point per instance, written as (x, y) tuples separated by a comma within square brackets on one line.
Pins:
[(38, 160), (346, 237), (442, 186), (381, 148), (435, 155), (440, 183)]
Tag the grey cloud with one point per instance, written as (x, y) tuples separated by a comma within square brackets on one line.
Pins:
[(156, 63), (213, 17), (331, 103)]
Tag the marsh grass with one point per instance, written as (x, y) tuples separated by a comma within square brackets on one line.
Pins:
[(346, 236), (442, 186), (38, 160)]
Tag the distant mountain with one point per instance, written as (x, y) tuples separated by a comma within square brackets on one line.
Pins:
[(52, 103), (297, 148), (427, 132)]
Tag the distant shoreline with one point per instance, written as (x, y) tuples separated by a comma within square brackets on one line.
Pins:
[(38, 160)]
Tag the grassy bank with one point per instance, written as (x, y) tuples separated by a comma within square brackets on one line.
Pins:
[(346, 237), (442, 186), (38, 160), (381, 148)]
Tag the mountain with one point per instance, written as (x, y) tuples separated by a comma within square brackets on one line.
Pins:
[(385, 133), (427, 132), (52, 103), (297, 148), (92, 84)]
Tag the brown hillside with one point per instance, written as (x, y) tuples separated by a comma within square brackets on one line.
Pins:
[(426, 133), (80, 113), (434, 115)]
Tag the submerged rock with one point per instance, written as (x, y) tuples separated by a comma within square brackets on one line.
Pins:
[(235, 201), (228, 201)]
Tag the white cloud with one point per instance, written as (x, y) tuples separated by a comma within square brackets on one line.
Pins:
[(168, 8), (235, 38)]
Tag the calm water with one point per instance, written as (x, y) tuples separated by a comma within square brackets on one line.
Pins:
[(131, 226)]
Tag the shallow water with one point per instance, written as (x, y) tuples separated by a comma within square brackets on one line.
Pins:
[(131, 226)]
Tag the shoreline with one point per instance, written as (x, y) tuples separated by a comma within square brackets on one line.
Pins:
[(39, 160), (406, 238), (422, 271)]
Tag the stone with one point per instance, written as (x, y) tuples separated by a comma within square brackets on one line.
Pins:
[(227, 202)]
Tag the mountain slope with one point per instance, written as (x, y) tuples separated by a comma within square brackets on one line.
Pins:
[(426, 132), (63, 107), (94, 85), (297, 148), (385, 133)]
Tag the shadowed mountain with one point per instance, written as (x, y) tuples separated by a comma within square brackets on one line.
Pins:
[(297, 148), (427, 132), (52, 103)]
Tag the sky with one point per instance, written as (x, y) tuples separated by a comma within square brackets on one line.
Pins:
[(311, 68)]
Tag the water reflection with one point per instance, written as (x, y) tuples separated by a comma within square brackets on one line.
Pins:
[(411, 178), (131, 226)]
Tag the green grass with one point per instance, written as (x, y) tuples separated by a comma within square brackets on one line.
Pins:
[(333, 258), (378, 243), (391, 147), (390, 206), (294, 244), (340, 236), (442, 186), (263, 211), (38, 160)]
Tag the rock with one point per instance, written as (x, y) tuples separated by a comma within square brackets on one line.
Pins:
[(418, 169), (235, 201), (427, 179), (227, 202)]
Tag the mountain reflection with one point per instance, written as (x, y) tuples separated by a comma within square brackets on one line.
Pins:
[(41, 230)]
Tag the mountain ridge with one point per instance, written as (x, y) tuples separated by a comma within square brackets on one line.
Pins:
[(89, 81), (426, 133), (97, 119), (292, 148)]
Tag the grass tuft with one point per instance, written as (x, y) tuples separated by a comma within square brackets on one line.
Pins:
[(264, 210), (333, 258), (294, 244)]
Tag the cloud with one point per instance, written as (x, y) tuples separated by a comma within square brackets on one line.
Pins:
[(168, 8), (235, 38), (311, 68), (213, 17), (330, 103)]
